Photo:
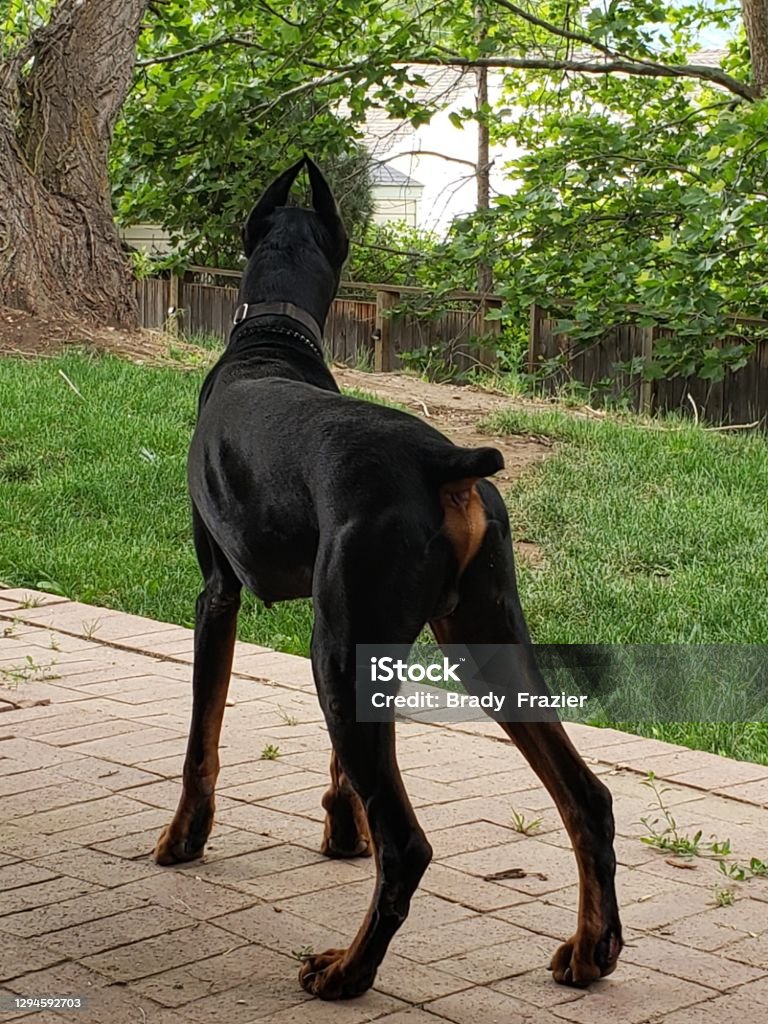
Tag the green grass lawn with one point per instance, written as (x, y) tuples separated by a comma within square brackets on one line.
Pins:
[(93, 493), (652, 536)]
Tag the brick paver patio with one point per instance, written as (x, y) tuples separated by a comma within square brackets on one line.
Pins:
[(94, 709)]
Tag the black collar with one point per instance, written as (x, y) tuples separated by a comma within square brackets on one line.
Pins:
[(311, 334)]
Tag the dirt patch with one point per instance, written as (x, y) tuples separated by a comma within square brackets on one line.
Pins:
[(22, 334)]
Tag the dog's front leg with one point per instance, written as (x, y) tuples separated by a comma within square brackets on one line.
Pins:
[(215, 630)]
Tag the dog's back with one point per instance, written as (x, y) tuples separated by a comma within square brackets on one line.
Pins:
[(278, 466)]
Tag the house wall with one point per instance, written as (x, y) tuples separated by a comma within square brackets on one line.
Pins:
[(450, 186), (439, 155), (396, 202), (150, 238)]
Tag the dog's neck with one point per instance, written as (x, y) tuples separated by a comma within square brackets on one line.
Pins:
[(267, 319), (273, 277), (248, 311)]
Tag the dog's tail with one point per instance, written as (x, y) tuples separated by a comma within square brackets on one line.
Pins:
[(453, 465)]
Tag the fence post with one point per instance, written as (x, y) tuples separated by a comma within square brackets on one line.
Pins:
[(174, 302), (534, 336), (383, 356), (646, 385)]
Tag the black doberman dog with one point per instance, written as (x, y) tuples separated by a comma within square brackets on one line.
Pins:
[(299, 491)]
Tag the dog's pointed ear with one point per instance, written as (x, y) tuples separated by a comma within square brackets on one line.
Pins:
[(326, 206), (322, 197), (274, 195)]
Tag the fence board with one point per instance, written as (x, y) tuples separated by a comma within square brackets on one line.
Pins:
[(152, 294), (208, 309), (207, 300), (740, 397)]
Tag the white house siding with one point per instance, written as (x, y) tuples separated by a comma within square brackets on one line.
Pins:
[(149, 238)]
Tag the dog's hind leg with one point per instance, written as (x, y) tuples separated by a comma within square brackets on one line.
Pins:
[(346, 826), (366, 602), (367, 752), (489, 612), (215, 629)]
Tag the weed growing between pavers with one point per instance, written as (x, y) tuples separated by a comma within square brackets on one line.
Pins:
[(663, 835)]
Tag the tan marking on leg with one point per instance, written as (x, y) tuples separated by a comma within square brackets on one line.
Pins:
[(345, 833)]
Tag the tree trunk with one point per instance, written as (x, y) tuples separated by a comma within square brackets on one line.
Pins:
[(60, 96), (483, 168), (484, 273), (756, 24)]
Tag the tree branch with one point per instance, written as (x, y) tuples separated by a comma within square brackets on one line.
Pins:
[(314, 83), (276, 14), (556, 30), (242, 41), (410, 253), (429, 152), (626, 67), (617, 63), (212, 44), (575, 37)]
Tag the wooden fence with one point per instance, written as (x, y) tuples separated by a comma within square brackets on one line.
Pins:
[(367, 323), (740, 397)]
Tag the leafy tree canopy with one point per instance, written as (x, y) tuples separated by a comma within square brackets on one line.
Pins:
[(642, 190), (636, 170), (211, 118)]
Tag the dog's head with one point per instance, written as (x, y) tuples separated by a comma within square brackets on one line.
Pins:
[(291, 244)]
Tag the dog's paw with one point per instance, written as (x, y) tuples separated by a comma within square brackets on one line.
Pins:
[(326, 976), (580, 961), (172, 848)]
